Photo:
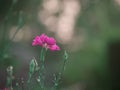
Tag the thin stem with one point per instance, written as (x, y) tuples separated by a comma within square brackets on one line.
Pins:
[(22, 82), (6, 22), (59, 76), (11, 88), (10, 77), (20, 24), (28, 85), (17, 86), (42, 68), (7, 18), (9, 43)]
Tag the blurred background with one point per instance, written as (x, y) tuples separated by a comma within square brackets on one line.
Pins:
[(89, 30)]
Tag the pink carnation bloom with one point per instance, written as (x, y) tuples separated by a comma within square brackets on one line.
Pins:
[(45, 41)]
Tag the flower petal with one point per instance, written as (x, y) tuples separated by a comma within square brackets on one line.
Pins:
[(46, 42), (50, 41), (43, 37), (37, 41), (54, 47)]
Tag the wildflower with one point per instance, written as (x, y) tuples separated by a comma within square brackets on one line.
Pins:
[(46, 42)]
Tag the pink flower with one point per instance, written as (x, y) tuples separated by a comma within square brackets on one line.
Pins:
[(45, 41), (37, 41)]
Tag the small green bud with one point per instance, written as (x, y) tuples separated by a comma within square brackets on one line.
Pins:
[(20, 20), (38, 79), (32, 66), (10, 70), (17, 84), (10, 76), (65, 55)]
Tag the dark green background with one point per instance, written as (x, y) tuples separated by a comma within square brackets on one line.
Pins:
[(95, 66)]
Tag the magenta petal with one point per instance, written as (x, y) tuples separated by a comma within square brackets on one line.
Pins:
[(54, 47), (37, 41), (50, 41), (43, 38), (46, 42)]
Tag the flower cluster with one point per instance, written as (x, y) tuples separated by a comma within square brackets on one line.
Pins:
[(46, 42)]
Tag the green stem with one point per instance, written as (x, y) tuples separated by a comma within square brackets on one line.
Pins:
[(28, 85), (7, 19), (22, 83), (42, 68), (10, 77), (20, 24), (29, 78), (11, 88), (58, 78), (9, 43), (17, 86)]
